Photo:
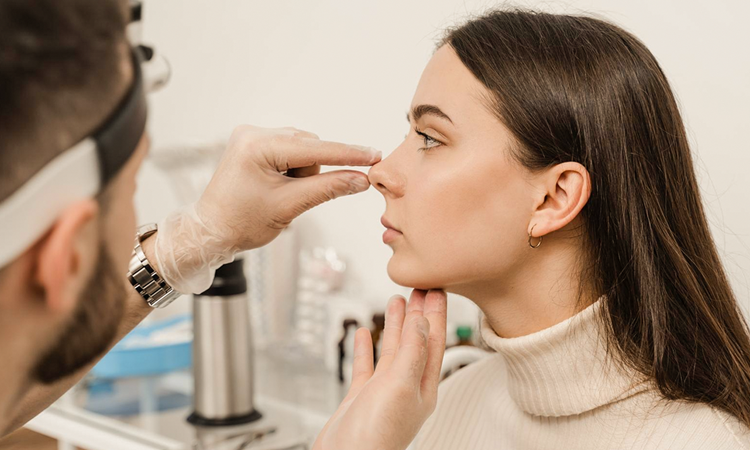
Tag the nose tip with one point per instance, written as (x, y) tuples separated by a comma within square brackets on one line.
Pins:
[(387, 178), (376, 177)]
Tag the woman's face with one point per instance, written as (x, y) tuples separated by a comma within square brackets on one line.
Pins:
[(457, 204)]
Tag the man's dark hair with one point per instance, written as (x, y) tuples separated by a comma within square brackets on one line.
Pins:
[(64, 67)]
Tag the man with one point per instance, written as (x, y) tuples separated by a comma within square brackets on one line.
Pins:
[(72, 138)]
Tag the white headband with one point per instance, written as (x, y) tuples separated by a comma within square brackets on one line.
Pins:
[(29, 212), (76, 174)]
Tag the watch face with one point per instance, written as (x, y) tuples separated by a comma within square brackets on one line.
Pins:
[(146, 230)]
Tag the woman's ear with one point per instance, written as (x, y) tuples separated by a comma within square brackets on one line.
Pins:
[(565, 190), (66, 254)]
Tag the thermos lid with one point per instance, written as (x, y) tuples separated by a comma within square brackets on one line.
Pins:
[(229, 280)]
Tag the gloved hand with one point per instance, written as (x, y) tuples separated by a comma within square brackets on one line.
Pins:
[(386, 407), (266, 178)]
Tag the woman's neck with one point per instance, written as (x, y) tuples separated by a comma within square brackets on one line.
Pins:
[(542, 291)]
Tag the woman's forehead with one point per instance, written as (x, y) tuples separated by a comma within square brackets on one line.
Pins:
[(448, 84)]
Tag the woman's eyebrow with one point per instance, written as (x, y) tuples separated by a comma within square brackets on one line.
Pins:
[(422, 110)]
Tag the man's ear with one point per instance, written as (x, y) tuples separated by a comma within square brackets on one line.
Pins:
[(66, 254), (565, 190)]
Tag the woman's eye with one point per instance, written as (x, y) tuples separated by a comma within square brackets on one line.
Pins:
[(429, 142)]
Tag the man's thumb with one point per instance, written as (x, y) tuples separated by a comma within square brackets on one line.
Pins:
[(307, 193)]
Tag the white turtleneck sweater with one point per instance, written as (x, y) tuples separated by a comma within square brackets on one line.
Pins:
[(558, 390)]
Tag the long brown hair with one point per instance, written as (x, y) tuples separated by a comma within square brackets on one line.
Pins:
[(580, 89)]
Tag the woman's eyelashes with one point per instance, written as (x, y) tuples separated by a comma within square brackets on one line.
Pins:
[(429, 141)]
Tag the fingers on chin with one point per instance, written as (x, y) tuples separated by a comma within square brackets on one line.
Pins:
[(416, 302), (396, 305)]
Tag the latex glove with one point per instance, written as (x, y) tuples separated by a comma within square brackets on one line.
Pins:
[(266, 178), (386, 407)]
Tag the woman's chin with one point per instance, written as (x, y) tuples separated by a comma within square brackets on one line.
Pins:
[(410, 275)]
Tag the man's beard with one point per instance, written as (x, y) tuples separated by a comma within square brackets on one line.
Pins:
[(92, 328)]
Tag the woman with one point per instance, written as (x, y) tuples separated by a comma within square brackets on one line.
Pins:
[(547, 177)]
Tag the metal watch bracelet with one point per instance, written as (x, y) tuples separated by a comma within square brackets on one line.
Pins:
[(146, 281)]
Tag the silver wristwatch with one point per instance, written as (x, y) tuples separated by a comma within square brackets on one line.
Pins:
[(152, 287)]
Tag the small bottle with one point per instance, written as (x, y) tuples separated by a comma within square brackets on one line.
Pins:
[(464, 334), (346, 351), (378, 322)]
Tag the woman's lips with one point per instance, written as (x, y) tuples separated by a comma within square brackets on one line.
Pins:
[(391, 233)]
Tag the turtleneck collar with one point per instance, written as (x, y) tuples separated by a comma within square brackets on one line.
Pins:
[(564, 369)]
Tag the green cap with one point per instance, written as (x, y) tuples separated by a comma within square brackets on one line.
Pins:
[(464, 332)]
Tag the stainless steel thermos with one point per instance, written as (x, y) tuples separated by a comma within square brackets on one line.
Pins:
[(223, 351)]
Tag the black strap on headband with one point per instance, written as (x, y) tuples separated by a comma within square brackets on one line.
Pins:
[(118, 138)]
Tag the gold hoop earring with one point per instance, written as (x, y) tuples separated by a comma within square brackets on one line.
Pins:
[(540, 238)]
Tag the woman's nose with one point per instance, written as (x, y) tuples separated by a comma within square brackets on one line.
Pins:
[(387, 178)]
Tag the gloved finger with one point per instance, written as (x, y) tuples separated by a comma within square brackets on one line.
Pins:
[(394, 323), (362, 367), (435, 311), (301, 133), (415, 307), (416, 301), (306, 193), (411, 358), (303, 172), (291, 152)]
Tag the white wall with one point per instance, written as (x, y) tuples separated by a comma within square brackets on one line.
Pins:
[(347, 70)]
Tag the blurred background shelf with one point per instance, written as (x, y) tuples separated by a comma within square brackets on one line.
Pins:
[(296, 400)]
